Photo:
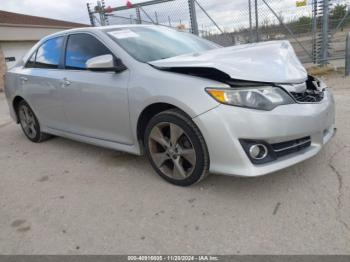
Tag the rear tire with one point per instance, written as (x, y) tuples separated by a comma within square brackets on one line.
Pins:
[(30, 124), (176, 148)]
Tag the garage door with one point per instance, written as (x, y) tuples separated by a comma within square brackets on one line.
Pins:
[(14, 51)]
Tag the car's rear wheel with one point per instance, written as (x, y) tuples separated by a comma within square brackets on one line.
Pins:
[(176, 148), (29, 123)]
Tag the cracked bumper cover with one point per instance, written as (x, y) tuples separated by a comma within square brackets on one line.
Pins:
[(223, 126)]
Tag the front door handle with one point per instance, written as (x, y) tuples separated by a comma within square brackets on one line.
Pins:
[(23, 79), (65, 82)]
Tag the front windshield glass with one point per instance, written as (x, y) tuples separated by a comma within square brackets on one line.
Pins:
[(147, 44)]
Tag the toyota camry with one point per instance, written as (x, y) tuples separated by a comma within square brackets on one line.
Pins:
[(191, 106)]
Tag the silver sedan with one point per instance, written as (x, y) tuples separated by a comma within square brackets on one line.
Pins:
[(191, 106)]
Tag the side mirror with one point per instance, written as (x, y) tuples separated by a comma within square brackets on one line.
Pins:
[(105, 63)]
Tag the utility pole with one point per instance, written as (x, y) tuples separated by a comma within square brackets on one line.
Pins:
[(100, 12), (257, 21), (169, 20), (347, 55), (156, 16), (314, 31), (325, 33), (91, 15), (138, 15), (193, 16), (250, 22), (103, 10)]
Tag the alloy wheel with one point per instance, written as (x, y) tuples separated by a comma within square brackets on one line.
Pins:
[(27, 120), (172, 150)]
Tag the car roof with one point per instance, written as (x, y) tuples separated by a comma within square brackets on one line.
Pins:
[(97, 28)]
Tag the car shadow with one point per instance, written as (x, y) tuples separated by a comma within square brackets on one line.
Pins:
[(116, 159)]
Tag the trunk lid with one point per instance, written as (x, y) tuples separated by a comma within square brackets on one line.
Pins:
[(272, 62)]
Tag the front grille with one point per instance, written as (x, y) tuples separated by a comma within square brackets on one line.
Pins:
[(292, 146), (309, 96)]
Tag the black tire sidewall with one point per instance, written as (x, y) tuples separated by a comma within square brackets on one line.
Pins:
[(199, 147)]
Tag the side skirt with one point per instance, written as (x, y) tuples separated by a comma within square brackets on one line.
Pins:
[(132, 149)]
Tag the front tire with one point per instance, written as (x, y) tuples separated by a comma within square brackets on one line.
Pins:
[(30, 124), (176, 148)]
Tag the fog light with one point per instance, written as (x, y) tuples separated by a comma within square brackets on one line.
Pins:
[(258, 151)]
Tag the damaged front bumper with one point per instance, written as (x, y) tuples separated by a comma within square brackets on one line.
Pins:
[(224, 127)]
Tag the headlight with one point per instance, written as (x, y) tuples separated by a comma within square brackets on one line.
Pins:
[(262, 98)]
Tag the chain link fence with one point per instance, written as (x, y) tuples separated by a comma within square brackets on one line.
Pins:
[(169, 13), (227, 22), (339, 26)]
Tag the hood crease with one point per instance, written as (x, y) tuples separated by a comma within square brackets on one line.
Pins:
[(270, 62)]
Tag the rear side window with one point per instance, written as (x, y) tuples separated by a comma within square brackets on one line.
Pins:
[(82, 47), (48, 54)]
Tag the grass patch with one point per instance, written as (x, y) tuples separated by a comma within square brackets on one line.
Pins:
[(324, 71)]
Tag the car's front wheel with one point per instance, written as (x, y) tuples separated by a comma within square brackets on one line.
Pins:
[(176, 148), (29, 123)]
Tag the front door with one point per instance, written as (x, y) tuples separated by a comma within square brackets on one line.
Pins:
[(95, 103)]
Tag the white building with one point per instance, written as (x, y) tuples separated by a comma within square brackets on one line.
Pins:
[(18, 33)]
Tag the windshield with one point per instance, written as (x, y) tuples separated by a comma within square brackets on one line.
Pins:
[(147, 44)]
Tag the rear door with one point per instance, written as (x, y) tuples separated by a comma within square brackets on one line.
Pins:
[(40, 80), (95, 103)]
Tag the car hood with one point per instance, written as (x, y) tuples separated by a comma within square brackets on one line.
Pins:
[(273, 62)]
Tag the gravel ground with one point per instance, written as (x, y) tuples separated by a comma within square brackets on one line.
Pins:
[(64, 197)]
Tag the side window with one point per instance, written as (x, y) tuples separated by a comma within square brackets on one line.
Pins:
[(31, 61), (48, 54), (82, 47)]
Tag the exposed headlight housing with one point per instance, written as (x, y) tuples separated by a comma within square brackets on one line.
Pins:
[(261, 98)]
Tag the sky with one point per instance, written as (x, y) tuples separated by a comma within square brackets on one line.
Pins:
[(229, 14)]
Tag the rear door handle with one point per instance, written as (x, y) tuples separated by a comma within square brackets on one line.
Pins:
[(24, 79), (65, 82)]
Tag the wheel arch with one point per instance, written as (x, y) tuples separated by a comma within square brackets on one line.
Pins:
[(15, 102), (146, 115)]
